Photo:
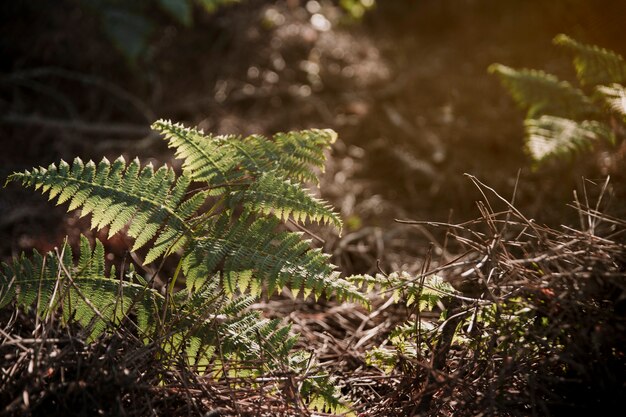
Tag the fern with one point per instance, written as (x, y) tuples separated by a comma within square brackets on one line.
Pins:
[(615, 96), (562, 120), (225, 231), (83, 293), (255, 171), (116, 194), (549, 137), (594, 65), (426, 293), (278, 259), (422, 294), (540, 93)]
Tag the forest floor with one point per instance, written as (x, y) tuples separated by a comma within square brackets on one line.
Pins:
[(406, 88)]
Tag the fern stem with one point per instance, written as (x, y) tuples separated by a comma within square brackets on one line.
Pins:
[(170, 288)]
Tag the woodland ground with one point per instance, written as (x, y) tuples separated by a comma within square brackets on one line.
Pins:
[(406, 89)]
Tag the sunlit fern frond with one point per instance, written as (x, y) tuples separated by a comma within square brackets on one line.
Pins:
[(208, 326), (224, 159), (426, 292), (594, 65), (244, 243), (263, 175), (81, 292), (615, 96), (550, 136), (117, 194), (205, 158), (271, 194), (302, 149), (540, 93)]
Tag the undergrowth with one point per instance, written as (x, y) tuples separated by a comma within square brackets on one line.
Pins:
[(529, 320)]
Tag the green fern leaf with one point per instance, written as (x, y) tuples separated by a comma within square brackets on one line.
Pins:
[(542, 93), (277, 258), (594, 65), (205, 158), (274, 195), (116, 194), (550, 136), (83, 293), (615, 96), (225, 159)]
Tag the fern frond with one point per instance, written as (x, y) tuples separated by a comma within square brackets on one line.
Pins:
[(301, 149), (243, 243), (205, 158), (208, 323), (274, 195), (594, 65), (551, 136), (615, 96), (117, 194), (540, 93), (83, 293), (426, 293), (321, 391), (224, 159)]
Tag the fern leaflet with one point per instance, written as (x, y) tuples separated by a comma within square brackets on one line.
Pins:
[(615, 96), (84, 293), (542, 93), (594, 65), (243, 243), (551, 136), (273, 195), (116, 194)]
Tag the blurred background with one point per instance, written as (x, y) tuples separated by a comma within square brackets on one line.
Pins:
[(403, 82)]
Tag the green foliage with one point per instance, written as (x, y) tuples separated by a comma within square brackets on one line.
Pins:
[(129, 25), (226, 233), (421, 294), (562, 120), (550, 136), (615, 97), (594, 65), (424, 293), (117, 194), (543, 93), (84, 293)]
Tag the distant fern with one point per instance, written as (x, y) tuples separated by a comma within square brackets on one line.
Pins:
[(550, 136), (615, 96), (225, 232), (562, 120), (594, 65), (542, 93)]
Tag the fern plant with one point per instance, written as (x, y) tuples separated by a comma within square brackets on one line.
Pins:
[(414, 338), (221, 219), (562, 119)]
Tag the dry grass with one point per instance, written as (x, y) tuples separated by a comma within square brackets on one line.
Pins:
[(553, 344)]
